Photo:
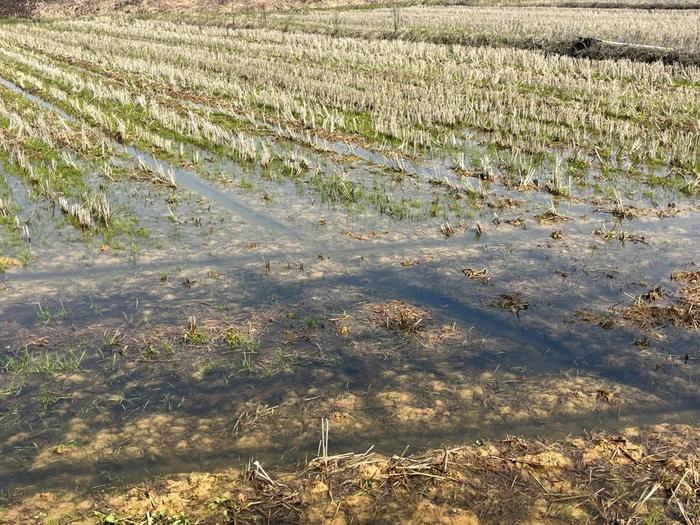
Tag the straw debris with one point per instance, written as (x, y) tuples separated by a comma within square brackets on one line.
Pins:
[(398, 316)]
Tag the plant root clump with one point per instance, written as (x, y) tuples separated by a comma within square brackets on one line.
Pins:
[(511, 302), (657, 307), (654, 308)]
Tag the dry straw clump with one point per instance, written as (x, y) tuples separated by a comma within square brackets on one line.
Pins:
[(398, 316), (604, 478)]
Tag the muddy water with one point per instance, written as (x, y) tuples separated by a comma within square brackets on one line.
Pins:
[(240, 325)]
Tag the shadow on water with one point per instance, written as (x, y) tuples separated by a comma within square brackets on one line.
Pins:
[(527, 346)]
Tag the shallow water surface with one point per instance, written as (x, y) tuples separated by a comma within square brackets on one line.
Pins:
[(219, 326)]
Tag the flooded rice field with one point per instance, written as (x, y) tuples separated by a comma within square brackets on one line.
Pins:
[(228, 268)]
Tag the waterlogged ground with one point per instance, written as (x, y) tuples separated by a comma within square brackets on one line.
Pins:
[(224, 312)]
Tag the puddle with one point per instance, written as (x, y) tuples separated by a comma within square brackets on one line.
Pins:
[(46, 105), (192, 182)]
